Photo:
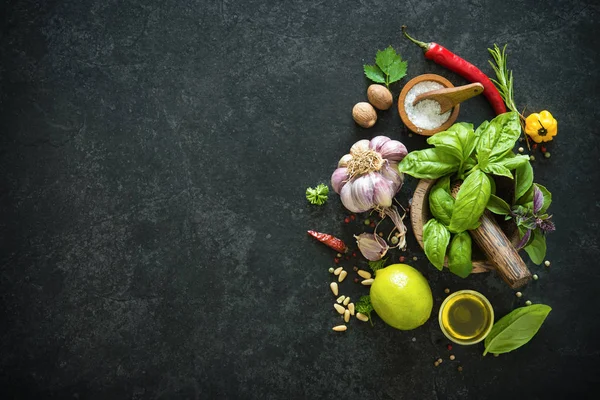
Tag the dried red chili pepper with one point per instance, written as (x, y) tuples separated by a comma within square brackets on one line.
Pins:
[(330, 240), (444, 57)]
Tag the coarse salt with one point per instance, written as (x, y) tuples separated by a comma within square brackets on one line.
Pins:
[(426, 114)]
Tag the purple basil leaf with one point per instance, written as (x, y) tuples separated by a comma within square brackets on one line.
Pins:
[(523, 240), (538, 199)]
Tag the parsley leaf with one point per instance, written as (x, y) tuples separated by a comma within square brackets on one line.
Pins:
[(389, 67), (317, 195), (377, 265), (364, 306)]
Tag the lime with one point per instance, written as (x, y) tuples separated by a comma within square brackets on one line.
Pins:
[(401, 296)]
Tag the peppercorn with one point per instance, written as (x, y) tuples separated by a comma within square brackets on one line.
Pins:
[(449, 347), (415, 258), (547, 263), (452, 357), (355, 268), (521, 149), (535, 277), (446, 290), (439, 360), (519, 294), (372, 224), (532, 157), (394, 240), (460, 369), (331, 270), (355, 280), (436, 364), (353, 254), (402, 259), (352, 217), (347, 220), (336, 260), (534, 146), (496, 354), (543, 148), (528, 302), (380, 234), (547, 155), (339, 255), (367, 221)]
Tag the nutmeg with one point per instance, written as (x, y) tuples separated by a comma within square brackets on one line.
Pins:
[(380, 97), (364, 114)]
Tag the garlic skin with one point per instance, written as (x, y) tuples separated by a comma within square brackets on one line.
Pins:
[(367, 178), (372, 247)]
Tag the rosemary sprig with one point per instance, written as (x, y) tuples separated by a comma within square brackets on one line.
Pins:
[(504, 82)]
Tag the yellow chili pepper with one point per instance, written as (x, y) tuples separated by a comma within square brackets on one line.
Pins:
[(541, 127)]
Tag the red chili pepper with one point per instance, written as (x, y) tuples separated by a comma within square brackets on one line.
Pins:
[(331, 241), (444, 57)]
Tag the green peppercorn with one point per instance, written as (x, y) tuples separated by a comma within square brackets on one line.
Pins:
[(528, 302), (535, 277), (367, 221), (547, 154)]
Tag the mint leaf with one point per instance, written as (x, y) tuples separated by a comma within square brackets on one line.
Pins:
[(374, 73)]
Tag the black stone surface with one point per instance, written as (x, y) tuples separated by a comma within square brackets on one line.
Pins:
[(153, 162)]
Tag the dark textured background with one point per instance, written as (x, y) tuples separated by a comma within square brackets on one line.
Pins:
[(153, 161)]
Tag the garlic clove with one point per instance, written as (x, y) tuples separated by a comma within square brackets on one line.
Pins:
[(347, 199), (338, 179), (344, 160), (359, 147), (371, 246), (383, 191), (363, 191), (393, 150), (377, 142), (389, 171)]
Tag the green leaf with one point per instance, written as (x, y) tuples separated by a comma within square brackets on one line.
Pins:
[(497, 169), (317, 195), (374, 73), (435, 241), (500, 135), (537, 247), (516, 329), (459, 140), (512, 161), (498, 206), (527, 199), (377, 265), (523, 179), (459, 255), (386, 58), (471, 200), (428, 164), (547, 198), (441, 201), (397, 71), (364, 306)]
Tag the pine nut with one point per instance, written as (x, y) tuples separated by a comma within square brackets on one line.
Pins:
[(334, 288), (364, 274), (340, 328), (367, 282), (346, 301), (340, 299), (362, 317), (338, 270), (339, 308), (351, 308), (342, 276), (346, 316)]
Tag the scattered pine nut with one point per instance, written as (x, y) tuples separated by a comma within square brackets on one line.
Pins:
[(339, 308), (367, 282), (342, 276), (362, 317), (334, 288), (435, 364), (346, 301), (340, 328), (439, 360), (340, 299), (364, 274), (351, 308), (338, 270), (452, 357), (346, 316)]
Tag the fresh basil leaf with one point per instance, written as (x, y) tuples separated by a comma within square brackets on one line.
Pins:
[(470, 202), (459, 140), (498, 206), (497, 169), (516, 329), (512, 161), (483, 158), (429, 163), (481, 128), (547, 198), (523, 179), (538, 199), (459, 255), (500, 135), (537, 247), (435, 241), (441, 201), (527, 199)]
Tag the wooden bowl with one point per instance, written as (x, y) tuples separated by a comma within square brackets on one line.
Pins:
[(420, 214), (422, 78)]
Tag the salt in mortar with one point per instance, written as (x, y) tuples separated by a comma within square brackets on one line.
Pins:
[(426, 114)]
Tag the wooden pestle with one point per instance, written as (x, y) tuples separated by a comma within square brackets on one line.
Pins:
[(499, 250), (450, 97)]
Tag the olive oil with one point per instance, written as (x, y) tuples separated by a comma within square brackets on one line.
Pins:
[(466, 317)]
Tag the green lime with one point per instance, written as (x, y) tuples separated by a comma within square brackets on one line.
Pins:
[(401, 296)]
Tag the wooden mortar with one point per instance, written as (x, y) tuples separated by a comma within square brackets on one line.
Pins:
[(499, 250), (409, 85)]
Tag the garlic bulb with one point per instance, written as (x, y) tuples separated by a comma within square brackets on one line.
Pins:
[(367, 178)]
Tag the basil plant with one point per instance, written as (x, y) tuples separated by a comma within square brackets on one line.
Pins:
[(471, 158)]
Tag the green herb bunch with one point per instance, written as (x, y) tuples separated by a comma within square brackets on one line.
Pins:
[(473, 157)]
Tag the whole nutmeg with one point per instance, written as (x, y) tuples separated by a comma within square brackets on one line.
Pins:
[(379, 96), (364, 114)]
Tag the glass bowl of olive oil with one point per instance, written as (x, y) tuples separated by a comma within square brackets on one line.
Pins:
[(466, 317)]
